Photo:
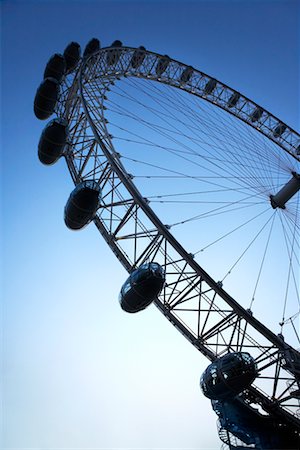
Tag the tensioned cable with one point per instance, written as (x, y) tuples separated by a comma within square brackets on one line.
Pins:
[(214, 212), (250, 134), (183, 166), (232, 231), (262, 262), (247, 248), (200, 179), (172, 93), (185, 124), (173, 150), (248, 127), (292, 323), (290, 252), (168, 149), (154, 145), (210, 134), (220, 118), (228, 116), (169, 115), (290, 243), (243, 150)]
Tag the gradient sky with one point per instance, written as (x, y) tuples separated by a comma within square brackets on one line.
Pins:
[(77, 371)]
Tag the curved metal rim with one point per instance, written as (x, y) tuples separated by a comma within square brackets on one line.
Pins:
[(289, 143), (163, 230), (126, 179)]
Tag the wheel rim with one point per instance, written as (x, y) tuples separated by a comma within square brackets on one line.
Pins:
[(136, 234)]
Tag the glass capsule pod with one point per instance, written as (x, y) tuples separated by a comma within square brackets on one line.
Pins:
[(279, 130), (228, 376), (56, 67), (82, 205), (186, 74), (46, 98), (52, 141), (210, 86), (256, 114), (162, 65), (72, 55), (233, 100), (142, 287), (138, 57), (91, 47), (114, 54)]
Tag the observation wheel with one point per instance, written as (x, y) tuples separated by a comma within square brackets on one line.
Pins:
[(192, 176)]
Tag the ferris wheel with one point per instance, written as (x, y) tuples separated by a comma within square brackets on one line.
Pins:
[(195, 188)]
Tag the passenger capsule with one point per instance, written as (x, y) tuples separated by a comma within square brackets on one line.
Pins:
[(56, 67), (279, 130), (256, 114), (162, 65), (72, 55), (142, 287), (233, 100), (228, 376), (91, 47), (46, 98), (186, 74), (82, 205), (210, 86), (114, 54), (52, 142), (138, 57)]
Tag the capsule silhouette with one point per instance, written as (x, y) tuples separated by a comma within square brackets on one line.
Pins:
[(114, 54), (142, 287), (82, 205), (52, 141), (256, 114), (46, 98), (91, 47), (210, 86), (72, 55), (186, 74), (56, 67), (279, 130), (233, 100), (138, 57), (162, 65), (228, 376)]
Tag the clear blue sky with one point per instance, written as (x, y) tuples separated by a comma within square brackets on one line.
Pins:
[(77, 371)]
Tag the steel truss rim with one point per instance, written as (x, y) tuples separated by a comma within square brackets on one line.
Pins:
[(125, 178), (243, 113)]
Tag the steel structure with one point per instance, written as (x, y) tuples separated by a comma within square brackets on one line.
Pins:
[(217, 323)]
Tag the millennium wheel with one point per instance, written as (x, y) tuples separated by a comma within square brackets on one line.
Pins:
[(195, 188)]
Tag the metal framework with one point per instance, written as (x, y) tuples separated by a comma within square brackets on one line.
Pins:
[(191, 300)]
